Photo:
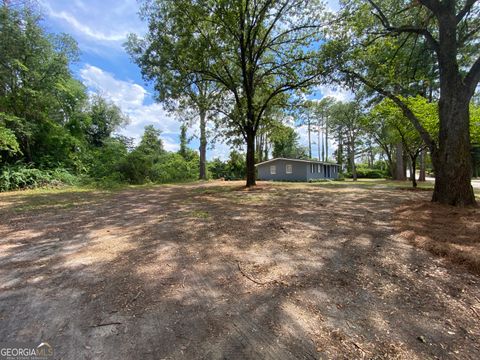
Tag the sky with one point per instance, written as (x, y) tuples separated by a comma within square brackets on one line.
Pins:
[(100, 28)]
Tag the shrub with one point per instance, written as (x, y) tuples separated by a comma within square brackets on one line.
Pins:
[(20, 176), (172, 167), (367, 173)]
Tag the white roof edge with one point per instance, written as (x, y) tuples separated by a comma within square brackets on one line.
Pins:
[(298, 160)]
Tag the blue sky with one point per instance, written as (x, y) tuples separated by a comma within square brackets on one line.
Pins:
[(100, 28)]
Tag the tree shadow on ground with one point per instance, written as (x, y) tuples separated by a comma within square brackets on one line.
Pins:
[(215, 272)]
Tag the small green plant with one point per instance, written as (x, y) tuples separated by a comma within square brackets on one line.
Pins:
[(199, 214), (21, 176)]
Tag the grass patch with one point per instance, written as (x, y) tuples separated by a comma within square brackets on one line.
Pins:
[(49, 198)]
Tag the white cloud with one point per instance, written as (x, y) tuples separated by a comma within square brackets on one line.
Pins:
[(132, 99), (86, 30), (129, 95), (170, 145), (135, 102), (107, 22), (219, 150), (336, 92)]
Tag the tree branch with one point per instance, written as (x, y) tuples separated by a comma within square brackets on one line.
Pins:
[(473, 77), (465, 10), (406, 28), (407, 112), (433, 5)]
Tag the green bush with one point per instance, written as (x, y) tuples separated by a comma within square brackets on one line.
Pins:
[(365, 173), (136, 168), (173, 167), (107, 162), (233, 169), (20, 176)]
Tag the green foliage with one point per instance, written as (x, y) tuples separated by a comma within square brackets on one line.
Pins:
[(173, 167), (217, 168), (285, 143), (8, 141), (138, 165), (401, 127), (236, 166), (15, 177), (475, 124), (183, 141), (103, 118), (40, 90), (367, 173), (259, 53), (151, 144), (147, 163), (232, 169), (48, 121), (184, 151), (107, 161)]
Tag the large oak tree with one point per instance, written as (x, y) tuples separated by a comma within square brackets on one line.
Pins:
[(426, 47), (257, 50)]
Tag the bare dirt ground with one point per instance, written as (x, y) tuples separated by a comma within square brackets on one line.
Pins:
[(211, 271)]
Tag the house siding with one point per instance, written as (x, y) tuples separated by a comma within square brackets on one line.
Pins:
[(322, 171), (301, 171)]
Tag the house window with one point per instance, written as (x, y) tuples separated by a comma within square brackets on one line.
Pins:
[(273, 169), (288, 168)]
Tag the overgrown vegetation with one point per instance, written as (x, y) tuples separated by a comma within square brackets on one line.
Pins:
[(53, 133)]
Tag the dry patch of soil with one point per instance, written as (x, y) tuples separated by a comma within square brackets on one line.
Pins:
[(444, 230), (211, 271)]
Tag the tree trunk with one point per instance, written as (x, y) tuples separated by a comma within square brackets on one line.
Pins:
[(258, 148), (319, 143), (413, 175), (422, 175), (203, 146), (309, 142), (405, 165), (399, 166), (326, 143), (391, 167), (452, 160), (250, 159), (340, 152), (265, 154), (352, 163)]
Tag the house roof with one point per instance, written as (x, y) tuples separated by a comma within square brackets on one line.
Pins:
[(296, 160)]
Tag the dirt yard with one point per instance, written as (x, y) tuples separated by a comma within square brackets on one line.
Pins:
[(211, 271)]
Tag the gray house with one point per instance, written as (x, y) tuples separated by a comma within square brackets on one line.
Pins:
[(282, 169)]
